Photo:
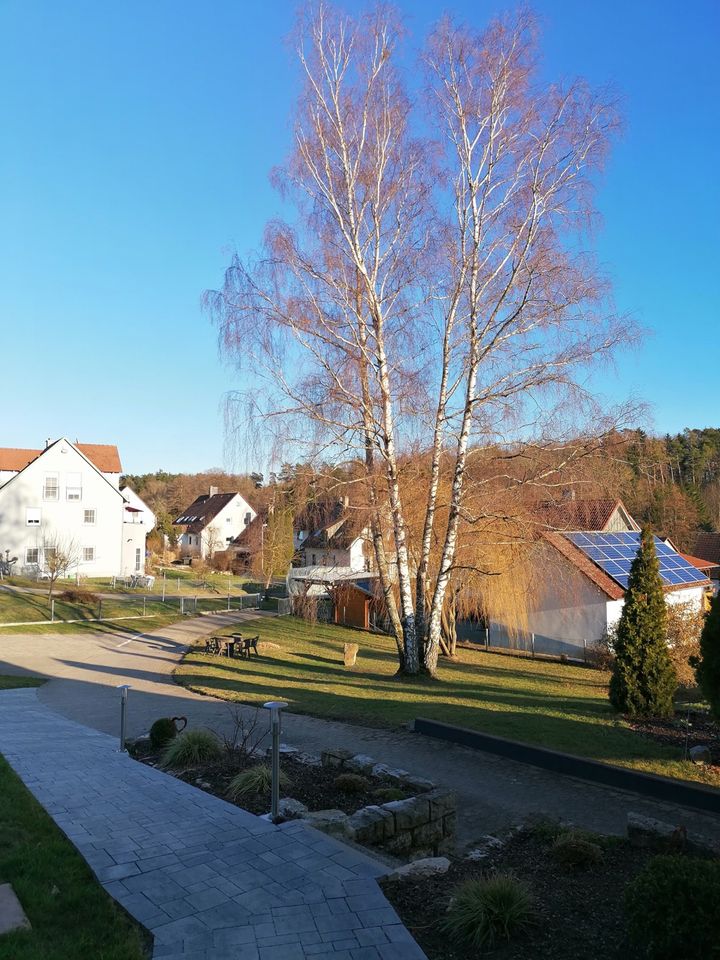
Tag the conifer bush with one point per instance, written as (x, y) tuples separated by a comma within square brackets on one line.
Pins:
[(643, 680), (707, 666), (189, 749)]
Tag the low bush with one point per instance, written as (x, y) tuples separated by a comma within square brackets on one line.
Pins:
[(671, 908), (191, 748), (162, 732), (255, 780), (488, 910), (574, 850), (352, 783), (388, 794), (79, 595)]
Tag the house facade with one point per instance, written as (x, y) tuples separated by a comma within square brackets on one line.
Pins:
[(212, 522), (66, 499)]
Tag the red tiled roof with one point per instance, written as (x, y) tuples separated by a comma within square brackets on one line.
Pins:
[(699, 562), (707, 546), (103, 455), (583, 514)]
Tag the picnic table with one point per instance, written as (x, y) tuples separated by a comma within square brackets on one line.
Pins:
[(236, 645)]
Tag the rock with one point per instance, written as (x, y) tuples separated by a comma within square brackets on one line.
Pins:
[(488, 845), (291, 809), (441, 803), (428, 867), (667, 837), (420, 784), (203, 784), (361, 763), (350, 654), (700, 754), (428, 835), (371, 824), (381, 770), (410, 813), (308, 759), (335, 758), (329, 821), (12, 915)]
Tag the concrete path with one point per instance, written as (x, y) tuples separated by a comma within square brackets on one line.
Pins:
[(210, 881), (493, 793)]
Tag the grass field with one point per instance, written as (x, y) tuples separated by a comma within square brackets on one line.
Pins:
[(70, 914), (550, 704), (13, 683)]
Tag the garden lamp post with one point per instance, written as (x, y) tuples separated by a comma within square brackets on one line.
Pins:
[(275, 707), (123, 688)]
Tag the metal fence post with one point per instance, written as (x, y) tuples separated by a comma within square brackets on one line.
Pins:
[(275, 706), (532, 644), (144, 602), (487, 637), (182, 606), (100, 609), (195, 606), (52, 610), (584, 650), (123, 688), (164, 581)]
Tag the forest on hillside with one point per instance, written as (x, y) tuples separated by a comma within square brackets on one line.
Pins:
[(671, 482)]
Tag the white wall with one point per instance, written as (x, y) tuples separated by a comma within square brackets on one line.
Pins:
[(63, 517), (228, 524)]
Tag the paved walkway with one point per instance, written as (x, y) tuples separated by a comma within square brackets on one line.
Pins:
[(210, 881), (493, 793)]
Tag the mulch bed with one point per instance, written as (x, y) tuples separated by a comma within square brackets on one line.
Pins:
[(675, 732), (578, 910), (313, 786)]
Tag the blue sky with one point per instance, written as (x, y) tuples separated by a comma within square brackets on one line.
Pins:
[(137, 140)]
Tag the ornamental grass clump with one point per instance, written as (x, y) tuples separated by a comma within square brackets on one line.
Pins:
[(671, 908), (191, 748), (352, 783), (486, 911), (573, 850), (253, 781)]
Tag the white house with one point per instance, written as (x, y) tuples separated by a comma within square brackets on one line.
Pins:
[(66, 496), (341, 545), (212, 521)]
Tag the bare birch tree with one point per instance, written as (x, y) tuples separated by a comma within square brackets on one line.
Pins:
[(434, 292)]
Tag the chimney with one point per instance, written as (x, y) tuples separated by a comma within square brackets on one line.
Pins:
[(213, 491), (48, 442)]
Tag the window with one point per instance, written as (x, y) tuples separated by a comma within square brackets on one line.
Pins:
[(50, 487), (89, 516), (50, 554), (32, 516), (138, 557), (88, 553), (32, 555), (73, 486), (248, 518), (313, 559)]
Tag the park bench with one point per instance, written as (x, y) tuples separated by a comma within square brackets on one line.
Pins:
[(246, 645), (232, 646)]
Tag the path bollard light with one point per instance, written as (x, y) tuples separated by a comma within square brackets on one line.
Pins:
[(275, 707), (123, 688)]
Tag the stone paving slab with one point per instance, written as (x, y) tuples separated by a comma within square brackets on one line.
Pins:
[(209, 880)]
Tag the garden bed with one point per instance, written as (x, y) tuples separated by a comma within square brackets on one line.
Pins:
[(578, 911), (684, 731), (311, 784)]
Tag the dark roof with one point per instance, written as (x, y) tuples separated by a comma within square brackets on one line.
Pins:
[(583, 514), (201, 511), (707, 546), (336, 536)]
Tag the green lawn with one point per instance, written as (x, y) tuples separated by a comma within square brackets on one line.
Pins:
[(550, 704), (72, 917), (33, 609), (12, 683)]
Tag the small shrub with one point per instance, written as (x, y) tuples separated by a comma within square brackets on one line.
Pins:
[(388, 794), (671, 909), (191, 748), (574, 850), (255, 780), (79, 595), (352, 783), (547, 831), (162, 732), (486, 911), (707, 664)]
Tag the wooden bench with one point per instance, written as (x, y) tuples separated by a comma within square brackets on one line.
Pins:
[(246, 645)]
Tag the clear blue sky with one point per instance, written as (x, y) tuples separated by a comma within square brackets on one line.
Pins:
[(136, 142)]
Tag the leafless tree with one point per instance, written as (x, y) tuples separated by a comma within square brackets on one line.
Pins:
[(435, 293), (60, 554)]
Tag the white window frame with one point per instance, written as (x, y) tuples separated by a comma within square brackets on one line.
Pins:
[(138, 559), (91, 552), (86, 522), (33, 511), (56, 478), (36, 551), (73, 491)]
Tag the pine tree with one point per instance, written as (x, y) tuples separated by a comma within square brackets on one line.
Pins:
[(643, 681), (707, 669)]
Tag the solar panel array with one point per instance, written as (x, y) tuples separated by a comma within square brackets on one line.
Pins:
[(615, 552)]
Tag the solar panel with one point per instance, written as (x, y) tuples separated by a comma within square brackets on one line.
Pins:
[(615, 552)]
